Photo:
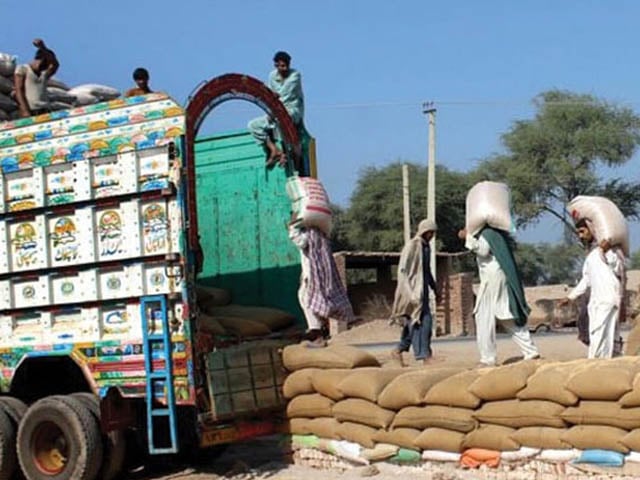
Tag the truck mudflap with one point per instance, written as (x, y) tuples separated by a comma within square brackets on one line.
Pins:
[(217, 435)]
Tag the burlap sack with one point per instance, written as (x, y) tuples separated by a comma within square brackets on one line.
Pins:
[(210, 324), (503, 383), (437, 416), (326, 382), (491, 437), (298, 383), (632, 398), (603, 413), (454, 391), (608, 380), (541, 437), (362, 411), (521, 413), (212, 296), (357, 433), (410, 388), (243, 327), (586, 437), (440, 439), (403, 437), (323, 427), (310, 406), (297, 357), (367, 383), (548, 383), (632, 440), (272, 318), (380, 452)]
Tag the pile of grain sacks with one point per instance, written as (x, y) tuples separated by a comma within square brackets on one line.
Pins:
[(342, 402), (60, 95)]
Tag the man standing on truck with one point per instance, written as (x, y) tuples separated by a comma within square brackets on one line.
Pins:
[(30, 81), (286, 83), (603, 273), (500, 296), (322, 294), (411, 303), (141, 77)]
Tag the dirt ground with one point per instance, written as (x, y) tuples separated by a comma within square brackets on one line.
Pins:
[(267, 458)]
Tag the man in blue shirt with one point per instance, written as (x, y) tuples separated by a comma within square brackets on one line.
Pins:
[(286, 83)]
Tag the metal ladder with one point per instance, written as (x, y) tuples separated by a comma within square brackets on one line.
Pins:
[(153, 308)]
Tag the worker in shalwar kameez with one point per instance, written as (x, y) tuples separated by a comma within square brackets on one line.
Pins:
[(286, 83), (322, 295), (500, 296), (603, 274)]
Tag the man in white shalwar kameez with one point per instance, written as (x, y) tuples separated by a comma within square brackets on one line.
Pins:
[(500, 296), (602, 273)]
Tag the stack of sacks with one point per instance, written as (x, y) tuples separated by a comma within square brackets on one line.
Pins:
[(7, 67), (217, 316)]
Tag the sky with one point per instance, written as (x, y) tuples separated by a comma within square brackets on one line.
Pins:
[(367, 66)]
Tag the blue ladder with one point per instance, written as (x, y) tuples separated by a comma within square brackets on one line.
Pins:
[(152, 309)]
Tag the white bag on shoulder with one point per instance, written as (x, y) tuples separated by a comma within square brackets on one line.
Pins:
[(489, 203)]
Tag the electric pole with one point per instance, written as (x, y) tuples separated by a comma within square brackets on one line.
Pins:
[(428, 108), (405, 203)]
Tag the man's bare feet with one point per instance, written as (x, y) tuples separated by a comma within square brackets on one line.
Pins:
[(397, 356), (429, 361)]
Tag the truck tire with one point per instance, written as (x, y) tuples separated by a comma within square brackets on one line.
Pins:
[(15, 408), (8, 460), (114, 443), (59, 439)]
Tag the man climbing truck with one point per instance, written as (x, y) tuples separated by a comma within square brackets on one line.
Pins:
[(99, 330)]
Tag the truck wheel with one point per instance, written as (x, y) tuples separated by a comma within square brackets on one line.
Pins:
[(15, 408), (8, 459), (59, 439), (114, 442)]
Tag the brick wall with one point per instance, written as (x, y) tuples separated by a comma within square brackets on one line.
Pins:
[(454, 316)]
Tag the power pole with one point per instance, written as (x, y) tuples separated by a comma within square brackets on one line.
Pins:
[(429, 109), (405, 203)]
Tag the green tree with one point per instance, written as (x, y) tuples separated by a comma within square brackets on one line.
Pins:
[(544, 264), (554, 156), (634, 261), (374, 220)]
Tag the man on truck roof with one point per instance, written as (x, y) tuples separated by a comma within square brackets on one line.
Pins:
[(286, 83), (141, 77), (31, 81)]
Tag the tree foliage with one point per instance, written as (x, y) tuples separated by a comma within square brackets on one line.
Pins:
[(553, 157), (544, 264)]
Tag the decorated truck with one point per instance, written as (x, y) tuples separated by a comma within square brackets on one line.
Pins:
[(100, 342)]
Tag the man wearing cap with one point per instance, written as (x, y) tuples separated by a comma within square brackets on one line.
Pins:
[(500, 296), (411, 303)]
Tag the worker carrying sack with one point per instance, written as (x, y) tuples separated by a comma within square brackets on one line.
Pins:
[(607, 221), (489, 203), (310, 202)]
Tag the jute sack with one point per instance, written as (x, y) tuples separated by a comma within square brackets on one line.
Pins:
[(326, 382), (632, 398), (454, 391), (323, 427), (503, 383), (440, 439), (380, 452), (309, 406), (521, 413), (449, 418), (357, 433), (362, 411), (243, 327), (298, 426), (410, 388), (607, 380), (548, 383), (403, 437), (296, 357), (632, 440), (541, 437), (367, 383), (586, 437), (273, 318), (212, 296), (603, 413), (491, 437), (298, 383), (210, 324)]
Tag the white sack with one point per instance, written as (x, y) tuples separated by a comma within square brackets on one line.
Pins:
[(310, 202), (83, 99), (605, 217), (489, 203), (7, 64), (59, 95), (554, 455), (440, 456), (101, 92)]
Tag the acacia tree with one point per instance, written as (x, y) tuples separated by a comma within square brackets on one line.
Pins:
[(556, 156)]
